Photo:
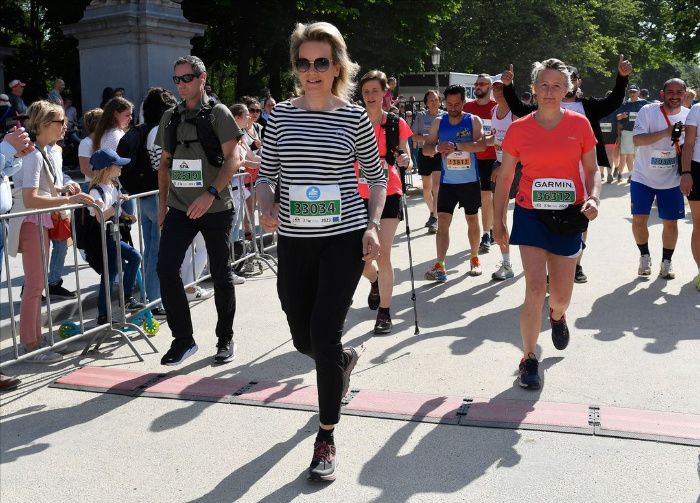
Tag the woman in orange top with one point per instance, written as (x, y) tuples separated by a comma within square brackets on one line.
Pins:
[(557, 195), (373, 85)]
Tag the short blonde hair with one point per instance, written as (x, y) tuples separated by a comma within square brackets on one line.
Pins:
[(101, 177), (552, 64), (343, 85), (41, 113)]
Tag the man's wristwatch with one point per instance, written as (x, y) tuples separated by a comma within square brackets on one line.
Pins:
[(212, 190), (376, 223)]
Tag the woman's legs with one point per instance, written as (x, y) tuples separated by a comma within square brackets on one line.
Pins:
[(534, 266), (561, 283), (30, 307), (386, 270)]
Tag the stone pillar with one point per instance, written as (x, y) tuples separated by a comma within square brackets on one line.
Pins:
[(131, 44)]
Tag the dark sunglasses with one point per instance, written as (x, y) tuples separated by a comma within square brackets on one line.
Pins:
[(187, 78), (254, 110), (320, 64), (62, 121)]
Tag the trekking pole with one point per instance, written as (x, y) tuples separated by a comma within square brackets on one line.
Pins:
[(408, 241)]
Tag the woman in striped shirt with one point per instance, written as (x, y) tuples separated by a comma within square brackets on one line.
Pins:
[(309, 149)]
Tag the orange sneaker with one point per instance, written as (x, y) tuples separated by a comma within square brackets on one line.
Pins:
[(475, 266)]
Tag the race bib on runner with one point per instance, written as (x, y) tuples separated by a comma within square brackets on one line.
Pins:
[(553, 193), (187, 173), (663, 159), (487, 125), (606, 127), (458, 161), (314, 205), (385, 170), (632, 116)]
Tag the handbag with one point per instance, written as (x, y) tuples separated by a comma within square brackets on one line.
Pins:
[(61, 230), (570, 220)]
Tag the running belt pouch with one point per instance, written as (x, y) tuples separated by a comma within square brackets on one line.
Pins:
[(567, 221)]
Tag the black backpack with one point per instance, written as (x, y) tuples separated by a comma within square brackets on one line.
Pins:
[(206, 136), (391, 128), (87, 235), (138, 176)]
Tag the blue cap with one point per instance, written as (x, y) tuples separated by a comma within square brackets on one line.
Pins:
[(633, 87), (106, 157)]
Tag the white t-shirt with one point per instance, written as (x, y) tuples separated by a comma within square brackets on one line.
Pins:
[(85, 150), (693, 119), (655, 165), (111, 196), (574, 106), (111, 137), (499, 128)]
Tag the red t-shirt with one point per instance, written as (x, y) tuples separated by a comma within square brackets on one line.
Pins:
[(552, 170), (484, 113), (392, 173)]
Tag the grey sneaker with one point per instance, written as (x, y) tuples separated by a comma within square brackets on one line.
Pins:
[(225, 351), (504, 272), (666, 271), (644, 265), (47, 357)]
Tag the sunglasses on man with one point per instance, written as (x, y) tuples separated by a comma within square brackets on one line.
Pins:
[(187, 78), (303, 65)]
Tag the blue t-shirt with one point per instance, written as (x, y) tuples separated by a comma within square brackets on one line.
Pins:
[(631, 107), (458, 167)]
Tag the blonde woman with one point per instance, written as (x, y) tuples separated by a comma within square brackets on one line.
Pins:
[(325, 236), (41, 188)]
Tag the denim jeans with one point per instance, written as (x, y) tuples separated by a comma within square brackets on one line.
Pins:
[(131, 260), (59, 250), (151, 245)]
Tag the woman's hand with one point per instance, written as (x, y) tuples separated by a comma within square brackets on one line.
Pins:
[(370, 245), (270, 219), (81, 198)]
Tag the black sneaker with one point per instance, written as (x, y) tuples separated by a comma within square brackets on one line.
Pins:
[(580, 277), (350, 363), (226, 351), (322, 468), (431, 221), (57, 291), (43, 297), (527, 372), (373, 297), (485, 244), (133, 305), (178, 352), (158, 312), (383, 324), (560, 331)]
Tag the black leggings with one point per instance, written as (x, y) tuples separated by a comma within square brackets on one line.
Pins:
[(316, 280)]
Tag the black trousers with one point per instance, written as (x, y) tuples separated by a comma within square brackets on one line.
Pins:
[(317, 278), (176, 236)]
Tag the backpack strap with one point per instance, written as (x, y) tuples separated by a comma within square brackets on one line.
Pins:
[(391, 128)]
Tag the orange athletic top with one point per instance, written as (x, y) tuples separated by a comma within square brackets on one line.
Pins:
[(552, 173)]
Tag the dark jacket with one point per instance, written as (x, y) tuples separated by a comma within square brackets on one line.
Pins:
[(595, 109)]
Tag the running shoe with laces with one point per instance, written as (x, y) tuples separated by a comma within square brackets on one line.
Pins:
[(527, 372), (579, 276), (383, 324), (560, 331), (437, 273), (644, 265), (133, 305), (666, 271), (46, 357), (351, 357), (610, 178), (485, 244), (505, 271), (433, 227), (199, 294), (373, 297), (58, 292), (237, 280), (474, 266), (431, 220), (322, 468), (225, 351), (178, 352)]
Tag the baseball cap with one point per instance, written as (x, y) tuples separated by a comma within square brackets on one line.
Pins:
[(4, 97), (497, 79), (633, 87), (106, 157), (16, 83)]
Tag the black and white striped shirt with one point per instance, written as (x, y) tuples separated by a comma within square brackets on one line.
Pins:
[(320, 148)]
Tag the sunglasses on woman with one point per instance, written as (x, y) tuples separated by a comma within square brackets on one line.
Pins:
[(187, 78), (303, 65)]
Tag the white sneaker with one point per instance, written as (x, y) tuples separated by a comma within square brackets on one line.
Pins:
[(47, 357), (238, 280), (504, 272), (644, 265), (666, 271), (200, 294)]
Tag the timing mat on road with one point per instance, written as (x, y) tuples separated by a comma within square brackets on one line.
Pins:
[(671, 427)]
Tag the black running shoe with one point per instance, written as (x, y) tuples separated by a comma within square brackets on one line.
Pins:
[(383, 324), (133, 305), (580, 277), (373, 297), (322, 468), (178, 352), (560, 332), (226, 351), (527, 373), (58, 292), (485, 244), (351, 360)]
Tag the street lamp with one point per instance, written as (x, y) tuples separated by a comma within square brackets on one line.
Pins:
[(435, 56)]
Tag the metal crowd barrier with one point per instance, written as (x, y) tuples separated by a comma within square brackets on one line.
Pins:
[(97, 332)]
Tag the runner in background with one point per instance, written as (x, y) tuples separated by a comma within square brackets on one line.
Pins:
[(690, 180), (627, 115), (611, 139), (372, 86), (483, 107)]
